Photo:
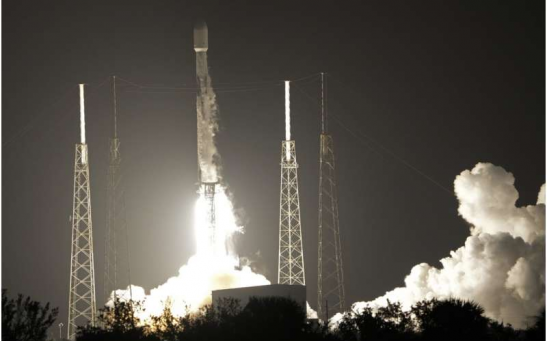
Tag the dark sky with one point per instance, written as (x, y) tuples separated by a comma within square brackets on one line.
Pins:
[(441, 84)]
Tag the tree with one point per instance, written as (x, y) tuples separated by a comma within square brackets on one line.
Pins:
[(451, 319), (385, 323), (537, 330), (24, 319), (117, 323), (502, 332), (166, 326)]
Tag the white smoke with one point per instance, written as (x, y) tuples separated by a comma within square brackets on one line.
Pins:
[(213, 267), (502, 264), (310, 313), (192, 287)]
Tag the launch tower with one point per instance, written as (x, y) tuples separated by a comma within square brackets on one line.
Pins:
[(81, 306), (330, 283), (291, 256), (116, 264)]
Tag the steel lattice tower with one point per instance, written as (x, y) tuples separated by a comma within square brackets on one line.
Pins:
[(116, 264), (82, 305), (291, 256), (330, 283)]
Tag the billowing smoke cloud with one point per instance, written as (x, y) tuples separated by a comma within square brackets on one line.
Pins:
[(207, 123), (213, 267), (191, 289), (502, 264)]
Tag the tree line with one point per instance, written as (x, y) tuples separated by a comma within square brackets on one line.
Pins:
[(273, 318)]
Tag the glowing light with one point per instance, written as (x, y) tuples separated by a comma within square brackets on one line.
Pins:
[(287, 117), (225, 225), (82, 115), (213, 267)]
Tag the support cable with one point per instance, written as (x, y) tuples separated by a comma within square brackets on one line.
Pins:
[(369, 141)]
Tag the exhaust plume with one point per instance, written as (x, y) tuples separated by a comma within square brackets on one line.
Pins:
[(501, 266), (205, 271)]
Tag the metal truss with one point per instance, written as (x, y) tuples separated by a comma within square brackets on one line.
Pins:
[(117, 273), (116, 263), (330, 270), (330, 282), (291, 256), (82, 305)]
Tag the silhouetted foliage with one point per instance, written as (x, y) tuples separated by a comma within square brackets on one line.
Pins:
[(388, 323), (451, 319), (24, 319), (277, 319), (167, 326), (116, 323), (502, 332), (537, 330)]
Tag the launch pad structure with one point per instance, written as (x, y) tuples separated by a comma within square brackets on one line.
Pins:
[(117, 270), (81, 301), (330, 282), (291, 256)]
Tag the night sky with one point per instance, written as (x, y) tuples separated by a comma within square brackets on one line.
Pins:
[(440, 85)]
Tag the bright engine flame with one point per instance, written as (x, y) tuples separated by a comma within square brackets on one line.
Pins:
[(213, 267)]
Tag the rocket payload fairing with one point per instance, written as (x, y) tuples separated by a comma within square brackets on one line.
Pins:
[(201, 39)]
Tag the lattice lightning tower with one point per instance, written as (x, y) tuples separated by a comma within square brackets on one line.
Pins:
[(291, 257), (81, 306), (330, 290), (116, 264)]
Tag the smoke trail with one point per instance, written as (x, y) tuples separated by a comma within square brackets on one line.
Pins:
[(207, 113), (82, 115), (502, 263)]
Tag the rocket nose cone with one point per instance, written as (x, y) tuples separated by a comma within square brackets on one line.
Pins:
[(200, 25), (200, 36)]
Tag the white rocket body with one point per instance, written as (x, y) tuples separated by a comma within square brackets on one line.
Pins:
[(201, 39), (206, 108)]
